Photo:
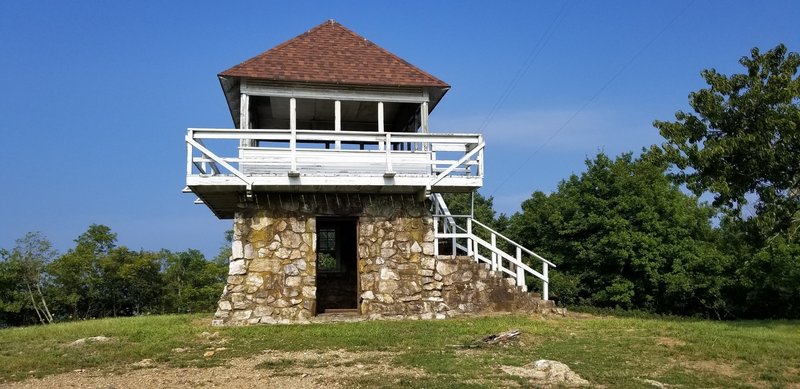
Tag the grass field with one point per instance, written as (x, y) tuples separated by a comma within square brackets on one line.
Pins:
[(607, 351)]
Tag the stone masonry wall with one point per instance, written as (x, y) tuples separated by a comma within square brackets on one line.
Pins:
[(272, 270), (272, 274)]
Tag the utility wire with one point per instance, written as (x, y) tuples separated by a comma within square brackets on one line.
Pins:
[(534, 53), (595, 96)]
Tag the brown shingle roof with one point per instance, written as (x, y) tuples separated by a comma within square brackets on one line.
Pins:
[(331, 53)]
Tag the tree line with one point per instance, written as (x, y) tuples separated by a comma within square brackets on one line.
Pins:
[(629, 232), (97, 278)]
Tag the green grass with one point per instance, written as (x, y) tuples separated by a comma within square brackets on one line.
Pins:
[(611, 351)]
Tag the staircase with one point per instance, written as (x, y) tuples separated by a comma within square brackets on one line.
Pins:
[(469, 239)]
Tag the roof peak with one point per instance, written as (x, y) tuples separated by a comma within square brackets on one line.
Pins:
[(332, 53)]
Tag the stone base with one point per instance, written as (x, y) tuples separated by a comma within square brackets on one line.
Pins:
[(273, 271)]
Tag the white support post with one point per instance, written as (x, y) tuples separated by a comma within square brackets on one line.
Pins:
[(293, 139), (380, 126), (494, 254), (546, 282), (520, 271), (480, 161), (453, 243), (423, 117), (436, 231), (337, 107), (469, 236), (244, 118), (189, 154), (389, 172)]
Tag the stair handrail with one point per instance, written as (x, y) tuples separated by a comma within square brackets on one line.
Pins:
[(523, 248), (474, 242)]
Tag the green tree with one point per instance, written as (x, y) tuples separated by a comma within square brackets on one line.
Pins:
[(77, 274), (31, 254), (742, 144), (743, 139), (129, 282), (192, 283), (14, 304), (623, 235)]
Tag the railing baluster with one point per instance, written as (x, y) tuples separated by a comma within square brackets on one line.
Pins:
[(469, 239), (520, 271), (494, 254), (388, 153), (436, 232), (546, 282), (189, 153)]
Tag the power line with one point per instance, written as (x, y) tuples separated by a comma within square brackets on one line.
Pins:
[(532, 55), (595, 96)]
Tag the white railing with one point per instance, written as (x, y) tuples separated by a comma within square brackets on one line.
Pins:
[(298, 152), (466, 240)]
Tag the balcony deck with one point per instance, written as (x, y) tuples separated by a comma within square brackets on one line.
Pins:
[(313, 161)]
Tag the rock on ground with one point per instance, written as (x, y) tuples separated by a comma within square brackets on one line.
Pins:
[(547, 373)]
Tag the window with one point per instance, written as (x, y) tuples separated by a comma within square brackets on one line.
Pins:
[(327, 252)]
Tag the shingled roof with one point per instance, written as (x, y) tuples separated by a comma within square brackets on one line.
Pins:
[(332, 54)]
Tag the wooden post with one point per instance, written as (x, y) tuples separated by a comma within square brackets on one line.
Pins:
[(293, 139), (520, 271), (480, 160), (546, 282), (380, 126), (469, 236), (189, 153), (423, 117), (244, 118), (389, 171), (436, 231), (337, 107), (494, 254)]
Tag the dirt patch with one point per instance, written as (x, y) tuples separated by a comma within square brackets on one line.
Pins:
[(274, 369), (669, 342), (719, 368)]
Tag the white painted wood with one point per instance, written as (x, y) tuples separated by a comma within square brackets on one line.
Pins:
[(327, 183), (513, 243), (337, 107), (382, 145), (189, 153), (494, 255), (469, 233), (396, 96), (219, 160), (302, 162), (455, 165), (423, 117), (474, 243), (293, 140), (244, 118), (546, 282)]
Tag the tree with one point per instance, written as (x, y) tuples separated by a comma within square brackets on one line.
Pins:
[(77, 274), (743, 140), (623, 235), (742, 144), (31, 254), (13, 299), (129, 282), (192, 283)]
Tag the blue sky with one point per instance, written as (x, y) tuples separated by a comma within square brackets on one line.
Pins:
[(97, 96)]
